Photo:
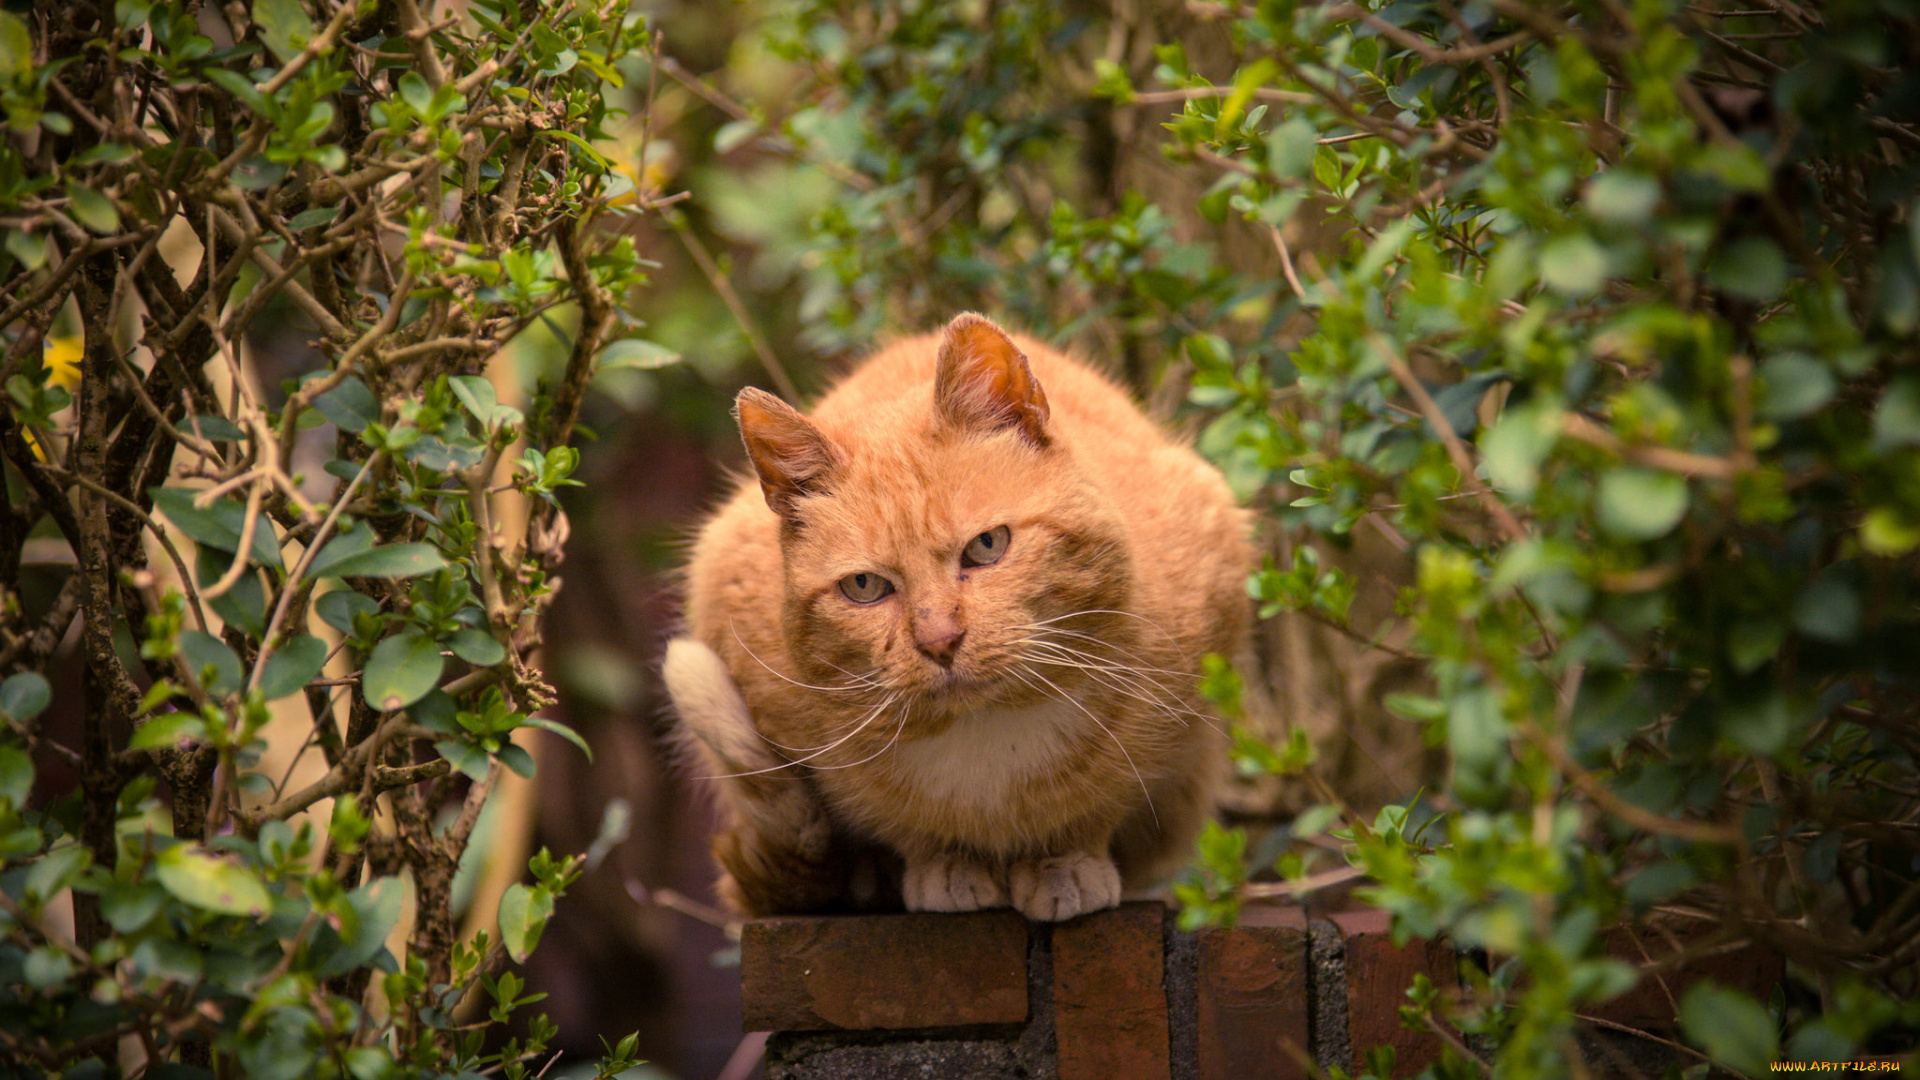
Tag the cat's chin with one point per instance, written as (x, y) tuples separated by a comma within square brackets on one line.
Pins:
[(955, 694)]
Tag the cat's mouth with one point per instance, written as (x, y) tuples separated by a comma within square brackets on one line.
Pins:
[(955, 690)]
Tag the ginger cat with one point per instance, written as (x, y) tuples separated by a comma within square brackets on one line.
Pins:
[(945, 653)]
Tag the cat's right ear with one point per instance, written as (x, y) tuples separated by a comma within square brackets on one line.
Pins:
[(981, 380), (792, 457)]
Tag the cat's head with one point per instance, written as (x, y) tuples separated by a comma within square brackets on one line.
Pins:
[(932, 541)]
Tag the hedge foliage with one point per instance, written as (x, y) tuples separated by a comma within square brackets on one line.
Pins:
[(308, 609)]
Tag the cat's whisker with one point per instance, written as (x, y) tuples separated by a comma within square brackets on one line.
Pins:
[(1101, 724), (1052, 633), (859, 682), (1136, 683), (1089, 661), (853, 728), (898, 728), (1157, 628), (1133, 678)]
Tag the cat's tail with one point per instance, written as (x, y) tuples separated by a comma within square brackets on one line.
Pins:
[(712, 710), (775, 844)]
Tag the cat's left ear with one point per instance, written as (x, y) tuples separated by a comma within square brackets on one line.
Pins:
[(982, 380), (792, 457)]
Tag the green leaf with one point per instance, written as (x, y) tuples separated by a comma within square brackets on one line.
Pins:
[(524, 911), (284, 26), (240, 87), (636, 353), (401, 670), (166, 957), (92, 209), (1621, 197), (215, 427), (1640, 504), (1897, 421), (168, 729), (16, 775), (593, 155), (130, 905), (446, 455), (30, 248), (201, 651), (437, 712), (1829, 608), (563, 731), (218, 524), (477, 647), (735, 134), (1759, 723), (466, 757), (1750, 268), (352, 540), (337, 608), (1796, 384), (55, 871), (243, 606), (206, 881), (46, 967), (1290, 148), (292, 666), (1659, 882), (1886, 531), (1575, 264), (376, 906), (516, 758), (1752, 641), (390, 561), (1517, 443), (25, 695), (349, 406), (307, 219), (1732, 1027), (113, 153), (16, 47), (371, 1063), (477, 394), (415, 92)]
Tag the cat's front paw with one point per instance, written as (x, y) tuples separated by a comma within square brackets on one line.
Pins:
[(951, 884), (1058, 888)]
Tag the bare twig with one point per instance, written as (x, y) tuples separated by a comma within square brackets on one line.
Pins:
[(721, 285)]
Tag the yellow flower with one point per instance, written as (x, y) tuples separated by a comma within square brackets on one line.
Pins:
[(649, 177), (62, 357)]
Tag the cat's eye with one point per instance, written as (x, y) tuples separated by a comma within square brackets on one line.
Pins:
[(985, 549), (865, 588)]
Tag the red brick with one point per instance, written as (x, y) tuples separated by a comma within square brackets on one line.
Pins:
[(1755, 969), (1378, 975), (1253, 998), (1109, 995), (884, 971)]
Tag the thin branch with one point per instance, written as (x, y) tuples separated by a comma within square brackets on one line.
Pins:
[(292, 584), (1456, 449), (704, 259)]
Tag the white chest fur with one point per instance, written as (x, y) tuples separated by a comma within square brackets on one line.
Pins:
[(981, 760)]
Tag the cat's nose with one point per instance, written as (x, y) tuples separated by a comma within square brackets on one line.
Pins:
[(940, 643)]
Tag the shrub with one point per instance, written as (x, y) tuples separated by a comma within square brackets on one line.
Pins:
[(186, 191)]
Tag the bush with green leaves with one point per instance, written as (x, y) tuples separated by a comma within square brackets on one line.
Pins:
[(339, 576), (1604, 313)]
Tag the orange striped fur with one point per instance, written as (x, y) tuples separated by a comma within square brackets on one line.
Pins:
[(901, 705)]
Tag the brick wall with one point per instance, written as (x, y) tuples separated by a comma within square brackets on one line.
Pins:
[(1122, 995)]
